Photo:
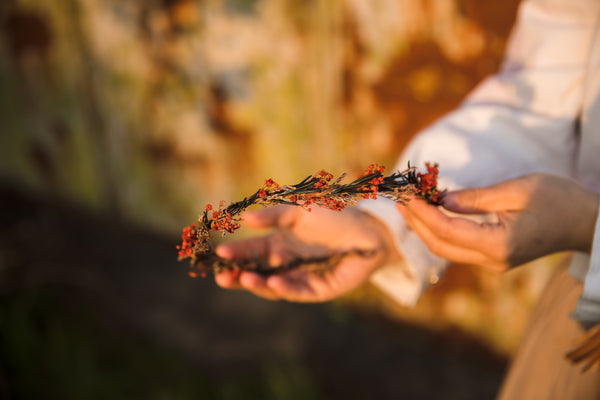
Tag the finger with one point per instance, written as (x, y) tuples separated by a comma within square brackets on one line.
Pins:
[(247, 281), (450, 251), (459, 232), (271, 248), (302, 286), (457, 239), (257, 285), (252, 248), (292, 286), (228, 279), (505, 196), (279, 216)]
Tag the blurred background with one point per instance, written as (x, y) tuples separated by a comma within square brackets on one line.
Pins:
[(121, 119)]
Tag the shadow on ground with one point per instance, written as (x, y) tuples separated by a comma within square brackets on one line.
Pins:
[(93, 308)]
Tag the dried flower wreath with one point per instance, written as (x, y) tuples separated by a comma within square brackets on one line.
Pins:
[(319, 189)]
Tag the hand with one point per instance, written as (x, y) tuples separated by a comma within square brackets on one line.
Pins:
[(300, 233), (537, 215)]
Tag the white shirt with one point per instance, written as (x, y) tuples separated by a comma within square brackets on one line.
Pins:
[(539, 113)]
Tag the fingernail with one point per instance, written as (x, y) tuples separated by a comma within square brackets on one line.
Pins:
[(448, 199)]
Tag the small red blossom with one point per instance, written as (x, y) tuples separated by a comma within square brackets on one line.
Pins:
[(432, 169), (373, 169), (271, 183), (436, 198), (323, 179), (370, 191), (208, 207), (225, 222), (262, 193), (188, 241), (307, 199), (332, 204), (427, 187), (325, 175), (376, 181)]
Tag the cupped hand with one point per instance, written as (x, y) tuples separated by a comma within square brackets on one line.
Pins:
[(298, 233), (537, 214)]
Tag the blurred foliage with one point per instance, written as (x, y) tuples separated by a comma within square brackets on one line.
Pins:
[(145, 110)]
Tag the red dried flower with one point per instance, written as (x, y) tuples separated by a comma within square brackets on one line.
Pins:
[(271, 183), (325, 175), (427, 187), (188, 241), (373, 169)]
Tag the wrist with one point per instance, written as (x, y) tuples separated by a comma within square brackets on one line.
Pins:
[(383, 236)]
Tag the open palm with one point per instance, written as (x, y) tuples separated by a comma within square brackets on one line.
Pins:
[(299, 233)]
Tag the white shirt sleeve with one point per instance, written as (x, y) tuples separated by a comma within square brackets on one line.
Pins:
[(519, 121)]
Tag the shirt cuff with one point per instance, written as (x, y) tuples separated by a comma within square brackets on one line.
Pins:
[(403, 281)]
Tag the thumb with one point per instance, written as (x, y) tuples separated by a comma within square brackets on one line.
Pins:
[(505, 196), (278, 216)]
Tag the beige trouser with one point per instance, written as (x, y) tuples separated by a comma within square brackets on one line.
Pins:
[(540, 370)]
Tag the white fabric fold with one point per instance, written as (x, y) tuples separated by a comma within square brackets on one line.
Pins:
[(405, 280)]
